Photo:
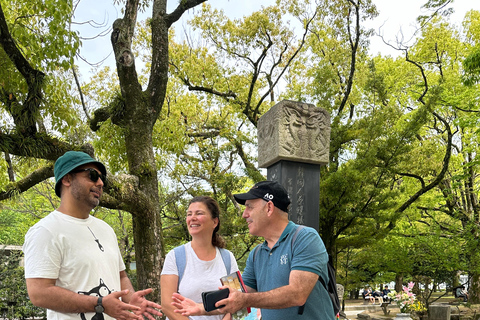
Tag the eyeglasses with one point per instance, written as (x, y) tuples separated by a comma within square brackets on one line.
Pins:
[(92, 174)]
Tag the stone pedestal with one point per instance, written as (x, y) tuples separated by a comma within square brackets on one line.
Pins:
[(293, 142), (293, 131), (439, 312), (340, 292), (402, 316), (302, 182)]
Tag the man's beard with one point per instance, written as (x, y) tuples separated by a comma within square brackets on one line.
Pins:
[(83, 195)]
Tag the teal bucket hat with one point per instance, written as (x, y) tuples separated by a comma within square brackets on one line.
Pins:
[(69, 161)]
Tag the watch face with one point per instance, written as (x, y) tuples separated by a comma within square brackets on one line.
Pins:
[(99, 307)]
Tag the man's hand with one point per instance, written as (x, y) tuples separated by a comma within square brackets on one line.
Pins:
[(235, 301), (147, 308), (186, 307)]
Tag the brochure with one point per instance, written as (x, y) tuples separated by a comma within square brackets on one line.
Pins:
[(234, 280)]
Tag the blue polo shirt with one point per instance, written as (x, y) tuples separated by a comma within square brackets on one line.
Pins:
[(270, 269)]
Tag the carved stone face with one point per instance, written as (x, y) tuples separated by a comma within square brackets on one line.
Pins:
[(294, 131)]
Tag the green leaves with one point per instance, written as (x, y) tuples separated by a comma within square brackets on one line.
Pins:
[(41, 30), (390, 119), (471, 64), (13, 289)]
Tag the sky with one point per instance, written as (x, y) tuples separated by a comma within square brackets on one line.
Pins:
[(396, 19)]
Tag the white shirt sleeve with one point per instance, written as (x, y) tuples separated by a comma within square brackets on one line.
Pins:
[(42, 254), (170, 264)]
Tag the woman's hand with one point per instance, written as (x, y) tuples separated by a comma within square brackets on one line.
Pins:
[(186, 307)]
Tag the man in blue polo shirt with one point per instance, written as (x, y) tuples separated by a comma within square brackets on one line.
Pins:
[(280, 278)]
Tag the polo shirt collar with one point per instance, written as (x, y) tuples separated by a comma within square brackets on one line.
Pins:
[(290, 226), (286, 231)]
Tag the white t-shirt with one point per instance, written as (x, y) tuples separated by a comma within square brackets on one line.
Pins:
[(81, 254), (199, 275)]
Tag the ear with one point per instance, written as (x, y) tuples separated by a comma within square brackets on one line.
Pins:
[(215, 222), (270, 208), (67, 180)]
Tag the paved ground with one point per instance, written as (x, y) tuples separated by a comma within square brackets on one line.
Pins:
[(354, 307)]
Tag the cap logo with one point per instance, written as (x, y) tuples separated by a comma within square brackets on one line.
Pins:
[(268, 196)]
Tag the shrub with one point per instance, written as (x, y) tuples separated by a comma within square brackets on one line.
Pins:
[(14, 301)]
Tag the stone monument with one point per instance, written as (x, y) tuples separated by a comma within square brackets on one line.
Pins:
[(340, 292), (439, 312), (293, 142)]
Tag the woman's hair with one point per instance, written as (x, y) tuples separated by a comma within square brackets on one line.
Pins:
[(214, 210)]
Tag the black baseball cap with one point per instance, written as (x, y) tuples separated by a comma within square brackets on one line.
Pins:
[(268, 191)]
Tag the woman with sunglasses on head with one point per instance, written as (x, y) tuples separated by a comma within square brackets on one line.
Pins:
[(198, 265), (73, 266)]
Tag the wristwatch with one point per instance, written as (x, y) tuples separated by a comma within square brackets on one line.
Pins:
[(99, 307)]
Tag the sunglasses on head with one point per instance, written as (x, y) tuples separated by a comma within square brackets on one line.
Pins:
[(92, 174)]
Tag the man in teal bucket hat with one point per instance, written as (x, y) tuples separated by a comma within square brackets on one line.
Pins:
[(73, 266), (72, 160)]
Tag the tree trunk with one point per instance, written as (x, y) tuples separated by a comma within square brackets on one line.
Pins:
[(139, 112), (147, 226), (474, 289), (398, 282)]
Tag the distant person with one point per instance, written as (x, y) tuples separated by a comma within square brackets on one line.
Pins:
[(204, 262), (385, 293), (377, 295), (73, 266), (281, 279), (368, 294), (461, 292), (464, 294)]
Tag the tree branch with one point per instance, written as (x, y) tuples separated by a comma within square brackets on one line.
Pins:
[(284, 69), (413, 176), (25, 115), (250, 168), (81, 93), (353, 59), (14, 188), (182, 7), (38, 145), (440, 176), (11, 174)]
